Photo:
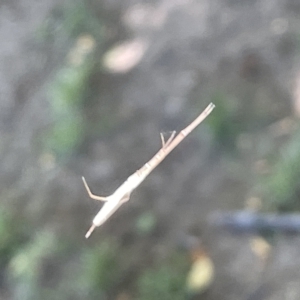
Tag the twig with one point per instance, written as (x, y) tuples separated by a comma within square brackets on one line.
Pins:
[(122, 194), (247, 221)]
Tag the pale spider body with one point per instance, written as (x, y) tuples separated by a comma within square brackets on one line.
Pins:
[(122, 193)]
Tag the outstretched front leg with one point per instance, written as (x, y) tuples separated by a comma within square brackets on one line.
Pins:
[(95, 197)]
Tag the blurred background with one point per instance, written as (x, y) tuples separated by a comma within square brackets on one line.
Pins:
[(85, 89)]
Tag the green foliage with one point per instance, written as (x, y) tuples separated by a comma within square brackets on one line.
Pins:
[(78, 18), (65, 135), (223, 120), (166, 282), (69, 87), (26, 267), (99, 268), (67, 92), (70, 20), (145, 223), (11, 237), (92, 275), (282, 186)]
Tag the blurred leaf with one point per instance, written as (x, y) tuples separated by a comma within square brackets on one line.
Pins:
[(26, 267), (67, 91), (78, 19), (201, 275), (145, 223), (260, 247), (122, 58), (165, 282), (11, 236), (99, 267), (65, 135), (223, 121), (280, 188)]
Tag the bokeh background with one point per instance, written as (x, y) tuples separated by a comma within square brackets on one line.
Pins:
[(85, 89)]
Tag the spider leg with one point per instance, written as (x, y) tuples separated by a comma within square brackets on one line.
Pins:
[(87, 235), (162, 140), (170, 139), (95, 197)]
